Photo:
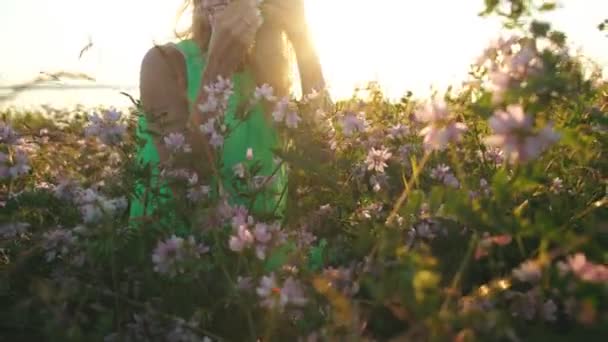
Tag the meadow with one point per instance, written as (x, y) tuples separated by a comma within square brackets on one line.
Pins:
[(476, 215)]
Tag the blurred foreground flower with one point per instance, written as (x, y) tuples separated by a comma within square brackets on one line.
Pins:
[(441, 128), (515, 137)]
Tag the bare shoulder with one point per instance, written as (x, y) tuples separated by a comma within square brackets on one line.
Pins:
[(162, 63), (162, 85)]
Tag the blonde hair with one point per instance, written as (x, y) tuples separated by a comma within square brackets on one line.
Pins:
[(271, 57)]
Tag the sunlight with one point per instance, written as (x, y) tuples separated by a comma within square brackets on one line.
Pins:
[(401, 46)]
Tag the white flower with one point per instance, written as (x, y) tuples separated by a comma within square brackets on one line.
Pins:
[(377, 158), (265, 91)]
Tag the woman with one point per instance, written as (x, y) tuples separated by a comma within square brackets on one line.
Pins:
[(241, 40)]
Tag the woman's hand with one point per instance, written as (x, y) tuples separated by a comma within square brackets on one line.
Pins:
[(234, 31)]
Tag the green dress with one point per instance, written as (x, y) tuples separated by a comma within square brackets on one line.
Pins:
[(255, 132)]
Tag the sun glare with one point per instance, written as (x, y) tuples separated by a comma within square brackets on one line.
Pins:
[(403, 47)]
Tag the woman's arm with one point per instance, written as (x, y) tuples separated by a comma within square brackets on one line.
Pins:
[(164, 100)]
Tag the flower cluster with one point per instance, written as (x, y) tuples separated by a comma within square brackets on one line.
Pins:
[(218, 94), (172, 256), (443, 174), (107, 127), (259, 236), (509, 63), (15, 164), (277, 297)]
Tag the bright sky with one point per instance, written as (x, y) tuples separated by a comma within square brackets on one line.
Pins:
[(403, 44)]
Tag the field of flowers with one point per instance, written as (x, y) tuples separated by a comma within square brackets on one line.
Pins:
[(479, 214)]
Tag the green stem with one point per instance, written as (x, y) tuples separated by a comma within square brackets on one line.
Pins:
[(408, 187), (461, 269)]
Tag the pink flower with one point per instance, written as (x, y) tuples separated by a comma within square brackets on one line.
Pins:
[(513, 134), (261, 233), (441, 128), (377, 158), (241, 240), (588, 271), (167, 254)]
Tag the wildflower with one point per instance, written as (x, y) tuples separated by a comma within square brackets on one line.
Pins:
[(244, 283), (13, 230), (261, 233), (265, 91), (195, 194), (19, 165), (352, 123), (398, 131), (377, 158), (275, 297), (8, 135), (492, 155), (548, 311), (443, 174), (513, 134), (441, 128), (108, 128), (292, 293), (241, 240), (249, 154), (217, 140), (587, 271), (529, 272), (167, 255), (267, 290), (176, 142), (280, 110), (58, 244), (378, 181), (292, 119)]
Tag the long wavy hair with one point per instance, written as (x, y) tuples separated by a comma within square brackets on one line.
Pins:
[(270, 60)]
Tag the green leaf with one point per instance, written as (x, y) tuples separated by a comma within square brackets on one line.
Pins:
[(316, 256), (279, 257)]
